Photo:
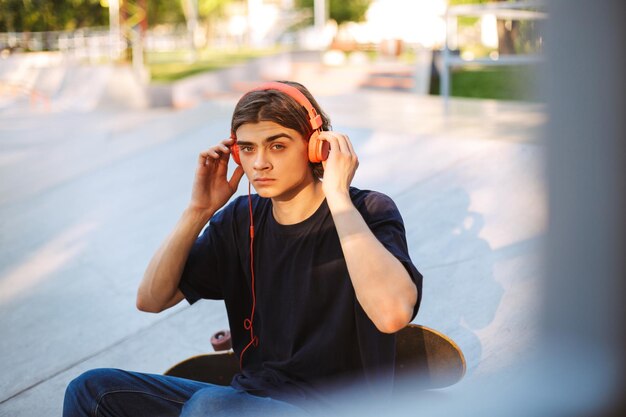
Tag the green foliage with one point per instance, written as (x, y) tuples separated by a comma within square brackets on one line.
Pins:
[(166, 67), (165, 12), (207, 8), (46, 15), (172, 11), (341, 10), (502, 83)]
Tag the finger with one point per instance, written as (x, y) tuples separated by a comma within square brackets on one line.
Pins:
[(350, 146), (202, 157), (332, 140), (216, 152), (222, 164), (223, 146), (235, 178), (228, 142), (210, 160), (354, 156), (342, 145)]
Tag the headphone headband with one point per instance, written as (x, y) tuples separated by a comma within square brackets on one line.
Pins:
[(318, 147), (314, 119)]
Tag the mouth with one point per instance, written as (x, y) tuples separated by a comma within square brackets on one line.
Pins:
[(263, 180)]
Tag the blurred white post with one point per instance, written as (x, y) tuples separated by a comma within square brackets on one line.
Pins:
[(190, 8), (444, 77), (137, 55), (114, 29), (319, 15), (255, 8)]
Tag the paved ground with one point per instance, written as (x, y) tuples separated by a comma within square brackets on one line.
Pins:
[(86, 197)]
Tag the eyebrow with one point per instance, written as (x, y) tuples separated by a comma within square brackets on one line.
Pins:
[(266, 140)]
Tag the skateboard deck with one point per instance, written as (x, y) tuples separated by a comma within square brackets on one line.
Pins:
[(429, 355), (421, 353)]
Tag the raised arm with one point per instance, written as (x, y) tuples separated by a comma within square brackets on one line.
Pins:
[(382, 285), (158, 289)]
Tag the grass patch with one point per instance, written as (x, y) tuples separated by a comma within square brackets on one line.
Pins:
[(166, 67), (501, 83)]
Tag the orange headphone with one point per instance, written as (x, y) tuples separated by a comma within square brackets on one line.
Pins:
[(318, 148)]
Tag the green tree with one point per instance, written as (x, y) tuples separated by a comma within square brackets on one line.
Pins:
[(165, 12), (341, 10), (46, 15), (207, 8)]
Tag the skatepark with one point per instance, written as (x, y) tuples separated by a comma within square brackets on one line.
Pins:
[(91, 193), (94, 178)]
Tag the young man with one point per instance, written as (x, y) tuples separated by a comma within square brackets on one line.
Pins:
[(315, 274)]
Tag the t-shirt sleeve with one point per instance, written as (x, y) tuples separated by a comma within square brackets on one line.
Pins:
[(205, 265), (384, 220)]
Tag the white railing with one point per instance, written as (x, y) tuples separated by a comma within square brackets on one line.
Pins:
[(92, 44)]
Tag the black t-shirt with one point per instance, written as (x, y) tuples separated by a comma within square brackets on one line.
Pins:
[(311, 329)]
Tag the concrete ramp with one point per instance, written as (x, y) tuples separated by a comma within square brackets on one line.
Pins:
[(21, 83), (85, 88), (81, 88), (53, 83)]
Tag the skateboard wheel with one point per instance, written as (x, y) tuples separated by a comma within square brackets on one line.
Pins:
[(221, 341)]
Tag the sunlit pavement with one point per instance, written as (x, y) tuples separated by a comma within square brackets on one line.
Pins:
[(86, 198)]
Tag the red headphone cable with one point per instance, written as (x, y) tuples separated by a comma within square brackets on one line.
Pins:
[(248, 323)]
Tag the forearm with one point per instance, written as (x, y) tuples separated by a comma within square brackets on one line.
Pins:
[(159, 287), (382, 285)]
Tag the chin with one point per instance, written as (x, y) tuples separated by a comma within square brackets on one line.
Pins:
[(265, 193)]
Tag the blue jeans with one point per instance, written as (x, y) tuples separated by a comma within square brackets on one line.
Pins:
[(117, 393)]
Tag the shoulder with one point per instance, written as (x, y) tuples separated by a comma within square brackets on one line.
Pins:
[(373, 203)]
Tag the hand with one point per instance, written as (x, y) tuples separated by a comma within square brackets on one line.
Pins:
[(341, 165), (211, 189)]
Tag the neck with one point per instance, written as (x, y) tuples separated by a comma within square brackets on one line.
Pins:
[(299, 206)]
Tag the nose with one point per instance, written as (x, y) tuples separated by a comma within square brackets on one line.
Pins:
[(261, 162)]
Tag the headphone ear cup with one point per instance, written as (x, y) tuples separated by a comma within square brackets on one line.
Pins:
[(234, 151), (318, 148)]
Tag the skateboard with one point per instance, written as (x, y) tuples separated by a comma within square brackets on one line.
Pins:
[(421, 352), (431, 356)]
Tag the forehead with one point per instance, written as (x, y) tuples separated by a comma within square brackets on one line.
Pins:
[(258, 132)]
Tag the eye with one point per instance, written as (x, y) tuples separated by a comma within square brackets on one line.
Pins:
[(277, 146), (246, 148)]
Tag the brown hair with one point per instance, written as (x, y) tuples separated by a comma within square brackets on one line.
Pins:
[(278, 107)]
